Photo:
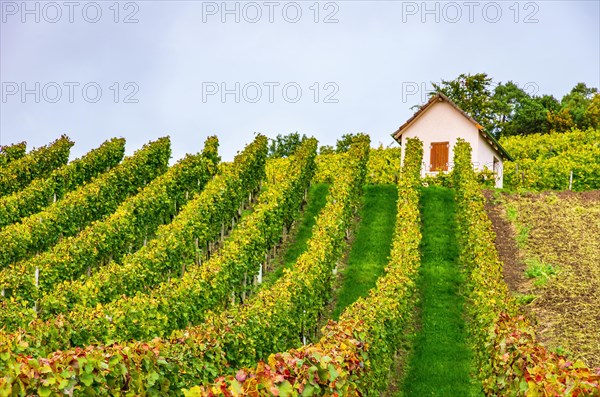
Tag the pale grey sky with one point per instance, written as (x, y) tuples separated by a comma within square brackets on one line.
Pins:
[(162, 67)]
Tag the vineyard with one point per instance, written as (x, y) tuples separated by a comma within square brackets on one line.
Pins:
[(307, 275), (556, 161)]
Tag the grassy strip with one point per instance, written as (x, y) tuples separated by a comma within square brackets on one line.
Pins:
[(371, 248), (317, 197), (441, 360)]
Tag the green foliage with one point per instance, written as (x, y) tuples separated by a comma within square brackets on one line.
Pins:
[(530, 116), (512, 214), (285, 145), (577, 109), (486, 177), (545, 161), (39, 163), (42, 192), (345, 142), (541, 272), (522, 235), (440, 179), (317, 198), (504, 109), (326, 149), (133, 222), (80, 207), (211, 152), (354, 355), (506, 99), (383, 166), (183, 301), (12, 152), (182, 242), (271, 319), (524, 299)]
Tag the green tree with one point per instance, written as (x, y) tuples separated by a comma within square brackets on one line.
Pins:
[(531, 116), (507, 98), (577, 102), (592, 113), (508, 110)]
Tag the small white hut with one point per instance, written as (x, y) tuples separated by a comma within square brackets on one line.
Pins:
[(439, 123)]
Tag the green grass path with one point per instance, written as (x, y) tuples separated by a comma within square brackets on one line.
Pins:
[(370, 250), (440, 363), (316, 200)]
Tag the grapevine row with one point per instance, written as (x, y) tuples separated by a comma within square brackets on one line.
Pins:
[(163, 367), (175, 304), (37, 164), (509, 359), (136, 219), (43, 191), (545, 161), (175, 245), (355, 354), (12, 152), (78, 208), (383, 166)]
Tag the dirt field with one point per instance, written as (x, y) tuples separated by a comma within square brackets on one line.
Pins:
[(550, 245)]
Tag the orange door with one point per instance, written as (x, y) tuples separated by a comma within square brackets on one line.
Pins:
[(439, 156)]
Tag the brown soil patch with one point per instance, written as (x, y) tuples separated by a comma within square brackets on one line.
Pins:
[(563, 230), (514, 267)]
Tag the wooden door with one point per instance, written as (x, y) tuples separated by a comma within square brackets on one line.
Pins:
[(439, 156)]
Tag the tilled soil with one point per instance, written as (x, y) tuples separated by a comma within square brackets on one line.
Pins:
[(564, 232)]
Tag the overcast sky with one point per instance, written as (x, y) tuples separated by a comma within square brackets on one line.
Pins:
[(189, 69)]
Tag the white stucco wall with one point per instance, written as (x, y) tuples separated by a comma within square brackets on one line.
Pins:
[(441, 122)]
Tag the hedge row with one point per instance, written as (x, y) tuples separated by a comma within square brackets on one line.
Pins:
[(177, 244), (44, 191), (354, 355), (509, 359), (39, 163), (163, 367), (12, 152), (80, 207), (136, 220), (176, 304)]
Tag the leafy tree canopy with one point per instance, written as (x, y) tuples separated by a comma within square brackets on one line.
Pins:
[(505, 109)]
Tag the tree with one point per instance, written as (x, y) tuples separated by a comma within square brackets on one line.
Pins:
[(531, 116), (509, 110), (560, 120), (592, 113), (285, 145), (505, 101), (577, 102)]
